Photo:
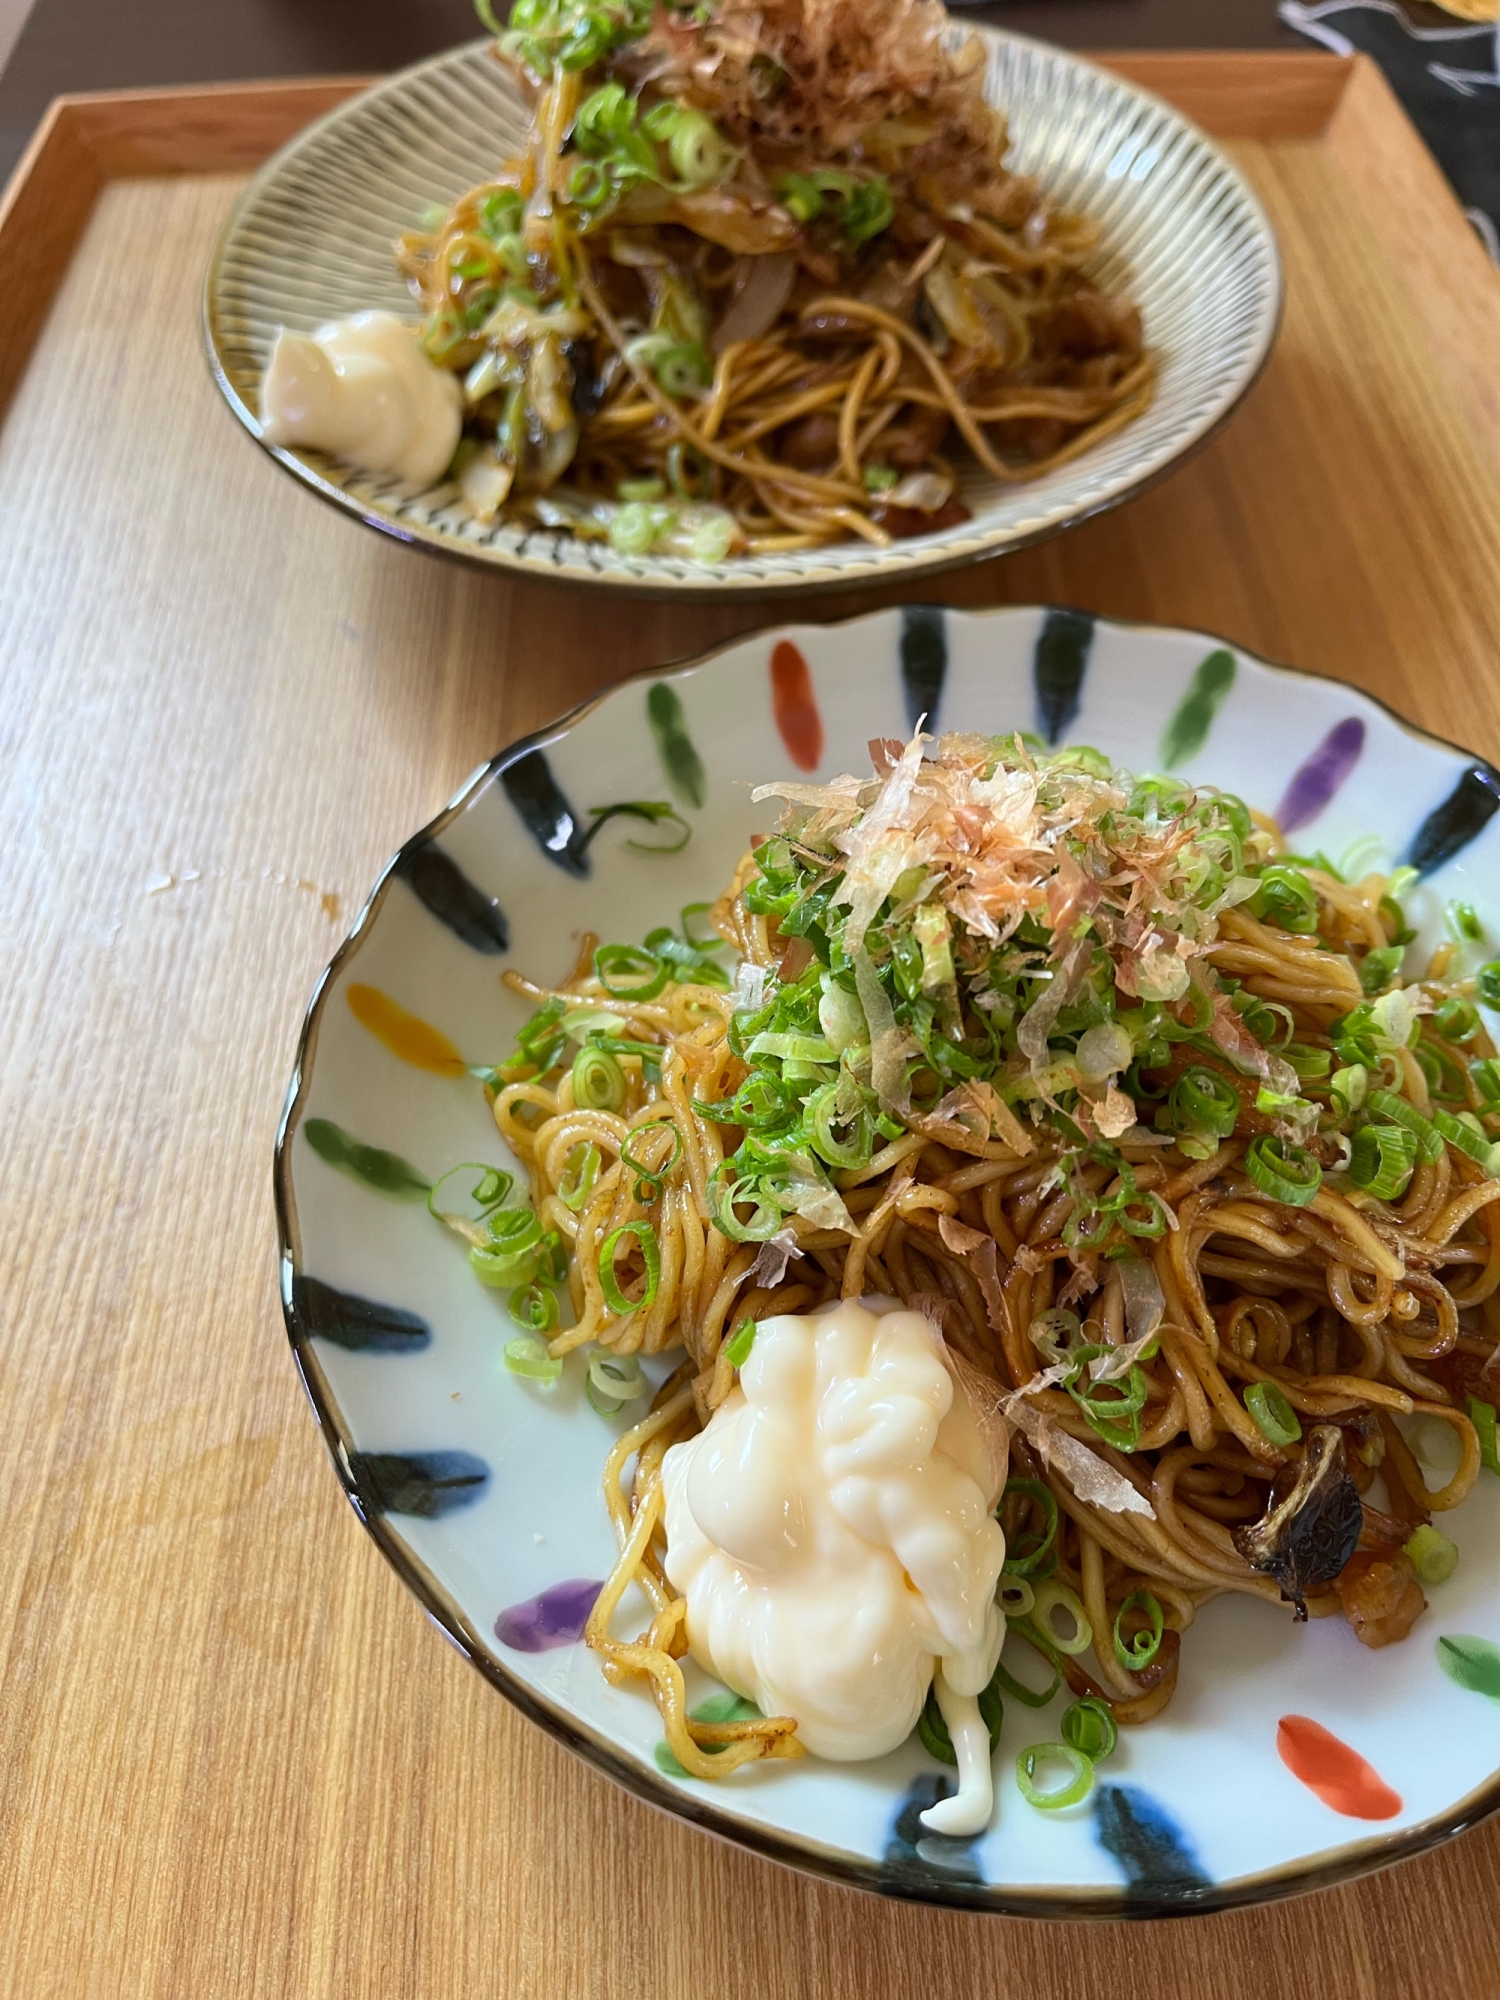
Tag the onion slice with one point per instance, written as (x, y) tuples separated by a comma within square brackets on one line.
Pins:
[(762, 286)]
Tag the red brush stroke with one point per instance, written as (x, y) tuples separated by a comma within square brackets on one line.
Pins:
[(1340, 1776), (795, 708)]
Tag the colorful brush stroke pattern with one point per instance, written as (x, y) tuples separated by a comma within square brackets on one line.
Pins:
[(1316, 780), (1339, 1776)]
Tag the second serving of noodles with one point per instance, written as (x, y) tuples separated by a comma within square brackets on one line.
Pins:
[(758, 279)]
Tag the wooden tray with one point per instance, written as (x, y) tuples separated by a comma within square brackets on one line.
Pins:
[(233, 1760)]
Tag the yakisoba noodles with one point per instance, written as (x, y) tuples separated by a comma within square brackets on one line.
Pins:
[(757, 269), (1190, 1174)]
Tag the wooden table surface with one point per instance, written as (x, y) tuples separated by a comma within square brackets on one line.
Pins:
[(234, 1758)]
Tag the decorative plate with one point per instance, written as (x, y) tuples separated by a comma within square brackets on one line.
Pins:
[(484, 1491), (311, 240)]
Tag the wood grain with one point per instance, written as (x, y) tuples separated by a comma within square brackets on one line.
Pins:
[(234, 1759), (1259, 94)]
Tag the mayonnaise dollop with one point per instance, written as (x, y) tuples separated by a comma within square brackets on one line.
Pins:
[(362, 389), (832, 1531)]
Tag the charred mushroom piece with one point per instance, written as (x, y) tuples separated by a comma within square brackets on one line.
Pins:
[(1310, 1531)]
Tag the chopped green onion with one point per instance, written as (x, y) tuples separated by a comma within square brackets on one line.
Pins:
[(1204, 1101), (640, 489), (1457, 1020), (533, 1307), (635, 528), (1386, 1104), (698, 150), (1089, 1726), (598, 1080), (609, 1283), (1347, 1087), (1072, 1793), (1482, 1417), (1464, 1131), (1018, 1690), (761, 1227), (880, 478), (580, 1174), (528, 1356), (1485, 1076), (1113, 1408), (1015, 1596), (612, 1381), (1055, 1595), (1286, 1173), (487, 1193), (628, 973), (1309, 1063), (1285, 897), (1139, 1651), (869, 210), (1463, 921), (1274, 1416), (737, 1347), (649, 1178), (1382, 1160), (1487, 979), (800, 195), (1433, 1556), (508, 1255), (1379, 967), (551, 1257), (1025, 1557)]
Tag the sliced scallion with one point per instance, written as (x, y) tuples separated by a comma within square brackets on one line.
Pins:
[(609, 1282), (533, 1307), (1386, 1104), (628, 973), (1073, 1792), (1382, 1159), (1274, 1416), (1055, 1595), (1433, 1556), (1089, 1726), (598, 1080), (1025, 1555), (1482, 1417), (580, 1174), (528, 1356), (1142, 1648), (1287, 1173)]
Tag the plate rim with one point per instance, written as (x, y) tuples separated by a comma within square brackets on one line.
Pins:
[(725, 586), (1344, 1863)]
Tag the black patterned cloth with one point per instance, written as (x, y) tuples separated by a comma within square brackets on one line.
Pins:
[(1447, 77)]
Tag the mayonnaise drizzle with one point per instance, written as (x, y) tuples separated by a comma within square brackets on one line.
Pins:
[(363, 390), (832, 1531)]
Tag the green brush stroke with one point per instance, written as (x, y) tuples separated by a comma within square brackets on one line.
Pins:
[(680, 761), (387, 1173), (1472, 1663), (724, 1707), (1187, 732)]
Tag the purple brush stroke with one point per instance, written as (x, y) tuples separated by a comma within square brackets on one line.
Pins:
[(1315, 781), (555, 1618)]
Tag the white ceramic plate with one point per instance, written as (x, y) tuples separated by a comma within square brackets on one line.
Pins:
[(311, 240), (484, 1491)]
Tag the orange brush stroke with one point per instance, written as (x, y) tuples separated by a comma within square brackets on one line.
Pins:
[(406, 1035), (794, 707), (1340, 1776)]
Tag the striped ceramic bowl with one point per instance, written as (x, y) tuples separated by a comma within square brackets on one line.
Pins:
[(1291, 1756), (311, 240)]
